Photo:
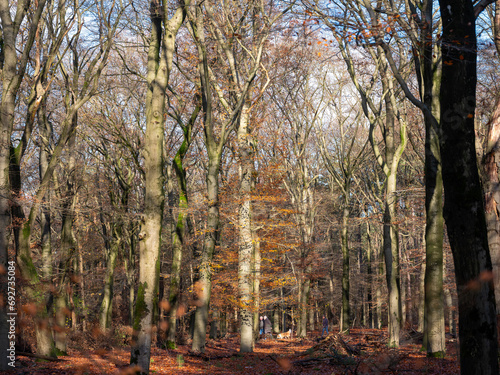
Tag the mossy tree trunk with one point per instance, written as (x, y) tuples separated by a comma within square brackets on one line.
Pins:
[(12, 74), (160, 57), (391, 236), (179, 229), (434, 328), (68, 241)]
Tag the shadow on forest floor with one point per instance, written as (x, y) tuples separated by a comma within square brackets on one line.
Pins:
[(362, 352)]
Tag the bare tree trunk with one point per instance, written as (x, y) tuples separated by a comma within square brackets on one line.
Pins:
[(256, 282), (246, 250), (160, 56), (45, 217), (391, 255), (463, 204), (421, 297), (130, 271), (106, 311), (491, 177), (204, 285), (346, 312), (12, 74), (370, 278)]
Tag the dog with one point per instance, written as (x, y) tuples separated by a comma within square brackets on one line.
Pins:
[(285, 335)]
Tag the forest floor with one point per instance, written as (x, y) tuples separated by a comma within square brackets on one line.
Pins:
[(362, 352)]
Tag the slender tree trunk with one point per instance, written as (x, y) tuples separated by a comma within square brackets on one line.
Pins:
[(421, 298), (344, 237), (204, 283), (130, 271), (276, 320), (378, 292), (391, 255), (452, 321), (370, 278), (45, 217), (433, 282), (178, 239), (106, 311), (246, 250), (463, 204), (305, 286), (83, 296), (256, 282), (391, 236), (214, 325)]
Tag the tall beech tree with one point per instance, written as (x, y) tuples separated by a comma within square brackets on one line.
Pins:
[(179, 230), (491, 172), (419, 27), (95, 65), (12, 71), (159, 65), (463, 201), (386, 116), (239, 32)]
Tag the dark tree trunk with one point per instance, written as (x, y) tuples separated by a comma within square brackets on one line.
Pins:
[(463, 206)]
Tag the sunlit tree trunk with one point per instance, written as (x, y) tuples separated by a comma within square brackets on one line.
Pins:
[(491, 175), (160, 56), (12, 73), (246, 250), (391, 237), (256, 285)]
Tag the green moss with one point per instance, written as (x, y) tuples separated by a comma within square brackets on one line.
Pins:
[(59, 352), (170, 345), (141, 309), (439, 354)]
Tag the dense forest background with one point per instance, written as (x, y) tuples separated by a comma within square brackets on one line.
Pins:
[(184, 167)]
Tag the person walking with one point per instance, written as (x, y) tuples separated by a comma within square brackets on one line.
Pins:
[(261, 325), (325, 326)]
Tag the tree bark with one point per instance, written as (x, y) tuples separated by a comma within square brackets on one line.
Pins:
[(160, 56), (391, 237), (204, 285), (246, 250), (346, 312), (463, 205), (106, 311), (491, 175), (434, 329)]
